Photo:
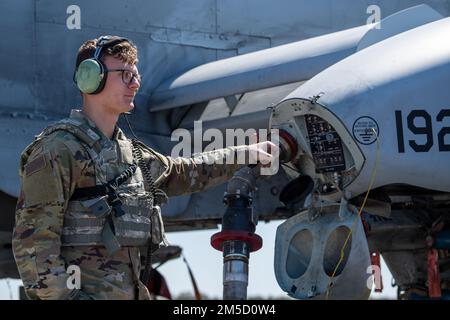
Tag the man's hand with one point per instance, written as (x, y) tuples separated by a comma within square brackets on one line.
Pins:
[(263, 152)]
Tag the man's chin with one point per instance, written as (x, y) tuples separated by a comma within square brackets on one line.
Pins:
[(130, 107)]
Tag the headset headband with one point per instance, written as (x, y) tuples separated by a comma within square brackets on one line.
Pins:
[(106, 42)]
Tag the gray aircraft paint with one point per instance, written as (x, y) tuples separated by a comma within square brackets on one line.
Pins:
[(174, 37)]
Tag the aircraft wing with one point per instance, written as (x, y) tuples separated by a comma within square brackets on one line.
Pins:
[(293, 62)]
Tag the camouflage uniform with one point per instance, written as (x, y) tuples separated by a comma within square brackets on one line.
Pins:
[(51, 169)]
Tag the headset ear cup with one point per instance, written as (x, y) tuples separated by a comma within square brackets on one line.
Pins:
[(89, 75), (103, 76)]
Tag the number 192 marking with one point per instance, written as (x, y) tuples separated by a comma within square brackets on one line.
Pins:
[(425, 130)]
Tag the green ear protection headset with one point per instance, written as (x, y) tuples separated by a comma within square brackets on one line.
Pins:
[(90, 76)]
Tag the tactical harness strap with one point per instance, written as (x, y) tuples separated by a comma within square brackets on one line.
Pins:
[(78, 129), (109, 189)]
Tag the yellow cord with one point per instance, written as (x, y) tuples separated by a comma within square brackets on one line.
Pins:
[(372, 180)]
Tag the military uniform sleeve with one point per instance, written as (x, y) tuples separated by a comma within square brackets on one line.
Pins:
[(48, 180), (187, 175)]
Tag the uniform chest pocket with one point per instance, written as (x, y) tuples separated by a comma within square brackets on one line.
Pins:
[(137, 205)]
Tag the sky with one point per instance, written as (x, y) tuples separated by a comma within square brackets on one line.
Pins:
[(206, 264)]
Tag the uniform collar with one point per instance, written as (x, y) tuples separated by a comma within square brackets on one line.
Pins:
[(78, 115)]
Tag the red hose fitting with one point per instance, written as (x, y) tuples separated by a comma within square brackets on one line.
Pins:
[(254, 241)]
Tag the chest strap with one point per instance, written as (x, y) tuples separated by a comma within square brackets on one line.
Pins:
[(109, 189)]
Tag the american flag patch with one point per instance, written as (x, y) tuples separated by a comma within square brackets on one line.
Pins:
[(36, 165)]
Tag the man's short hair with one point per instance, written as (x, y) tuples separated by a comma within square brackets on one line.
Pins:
[(125, 51)]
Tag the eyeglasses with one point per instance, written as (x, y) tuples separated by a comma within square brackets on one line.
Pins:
[(127, 75)]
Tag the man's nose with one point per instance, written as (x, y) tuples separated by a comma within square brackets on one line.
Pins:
[(134, 84)]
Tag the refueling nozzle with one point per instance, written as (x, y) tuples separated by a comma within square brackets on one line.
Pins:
[(238, 238)]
